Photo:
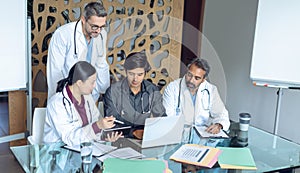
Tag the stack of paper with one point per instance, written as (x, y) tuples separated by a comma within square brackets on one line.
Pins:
[(123, 153), (98, 148), (197, 155), (236, 158), (102, 151), (115, 165)]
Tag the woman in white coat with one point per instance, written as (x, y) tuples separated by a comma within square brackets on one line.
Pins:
[(197, 99), (72, 112)]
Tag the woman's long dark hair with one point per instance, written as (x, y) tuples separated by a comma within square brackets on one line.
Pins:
[(82, 70)]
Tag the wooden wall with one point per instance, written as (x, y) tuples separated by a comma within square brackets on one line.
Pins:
[(151, 25), (134, 25), (17, 114)]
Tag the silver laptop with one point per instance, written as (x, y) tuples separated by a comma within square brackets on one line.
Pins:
[(162, 131)]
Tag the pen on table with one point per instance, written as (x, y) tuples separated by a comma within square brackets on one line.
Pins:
[(118, 121)]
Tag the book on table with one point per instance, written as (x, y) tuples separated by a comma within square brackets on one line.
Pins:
[(116, 165), (236, 158), (195, 154)]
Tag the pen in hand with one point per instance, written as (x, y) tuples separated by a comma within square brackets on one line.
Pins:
[(115, 120), (118, 121)]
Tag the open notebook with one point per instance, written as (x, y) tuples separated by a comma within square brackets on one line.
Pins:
[(201, 131)]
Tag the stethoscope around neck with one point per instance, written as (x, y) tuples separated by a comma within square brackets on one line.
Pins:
[(75, 51), (144, 94), (203, 91), (74, 118)]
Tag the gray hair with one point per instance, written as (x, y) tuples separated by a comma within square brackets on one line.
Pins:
[(201, 63), (94, 9)]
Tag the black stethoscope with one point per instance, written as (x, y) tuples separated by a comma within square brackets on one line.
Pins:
[(145, 94), (74, 118), (149, 102), (205, 90), (75, 51)]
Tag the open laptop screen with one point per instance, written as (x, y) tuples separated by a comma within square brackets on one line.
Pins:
[(160, 131)]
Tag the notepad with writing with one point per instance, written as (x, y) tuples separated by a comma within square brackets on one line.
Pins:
[(236, 158), (201, 131), (196, 155)]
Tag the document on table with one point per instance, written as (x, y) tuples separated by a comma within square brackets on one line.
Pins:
[(122, 153), (196, 155), (192, 154), (98, 148), (201, 131), (236, 158)]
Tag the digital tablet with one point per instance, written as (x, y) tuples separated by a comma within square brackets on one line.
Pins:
[(125, 129)]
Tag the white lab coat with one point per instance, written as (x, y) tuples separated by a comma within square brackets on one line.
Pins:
[(63, 122), (209, 108), (61, 57)]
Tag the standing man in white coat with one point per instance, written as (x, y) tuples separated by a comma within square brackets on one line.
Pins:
[(83, 40), (197, 99)]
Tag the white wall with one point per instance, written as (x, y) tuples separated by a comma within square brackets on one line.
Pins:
[(13, 54), (229, 26)]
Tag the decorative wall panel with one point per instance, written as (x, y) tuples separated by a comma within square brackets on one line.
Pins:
[(153, 26)]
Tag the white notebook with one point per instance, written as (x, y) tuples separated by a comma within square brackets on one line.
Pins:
[(201, 131)]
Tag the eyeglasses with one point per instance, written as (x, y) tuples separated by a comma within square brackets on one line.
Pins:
[(95, 27)]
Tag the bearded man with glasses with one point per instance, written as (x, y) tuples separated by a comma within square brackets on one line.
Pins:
[(82, 40)]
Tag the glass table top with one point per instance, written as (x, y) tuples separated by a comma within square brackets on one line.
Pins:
[(50, 158), (270, 153)]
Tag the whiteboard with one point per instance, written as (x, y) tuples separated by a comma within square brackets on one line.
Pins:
[(13, 39), (276, 47)]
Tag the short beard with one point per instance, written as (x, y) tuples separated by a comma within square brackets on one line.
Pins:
[(191, 85)]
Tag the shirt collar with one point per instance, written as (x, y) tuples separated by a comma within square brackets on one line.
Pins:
[(143, 88), (72, 98)]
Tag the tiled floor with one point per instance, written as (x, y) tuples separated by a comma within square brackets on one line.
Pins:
[(8, 163)]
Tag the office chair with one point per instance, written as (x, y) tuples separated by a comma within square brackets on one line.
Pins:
[(37, 126)]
